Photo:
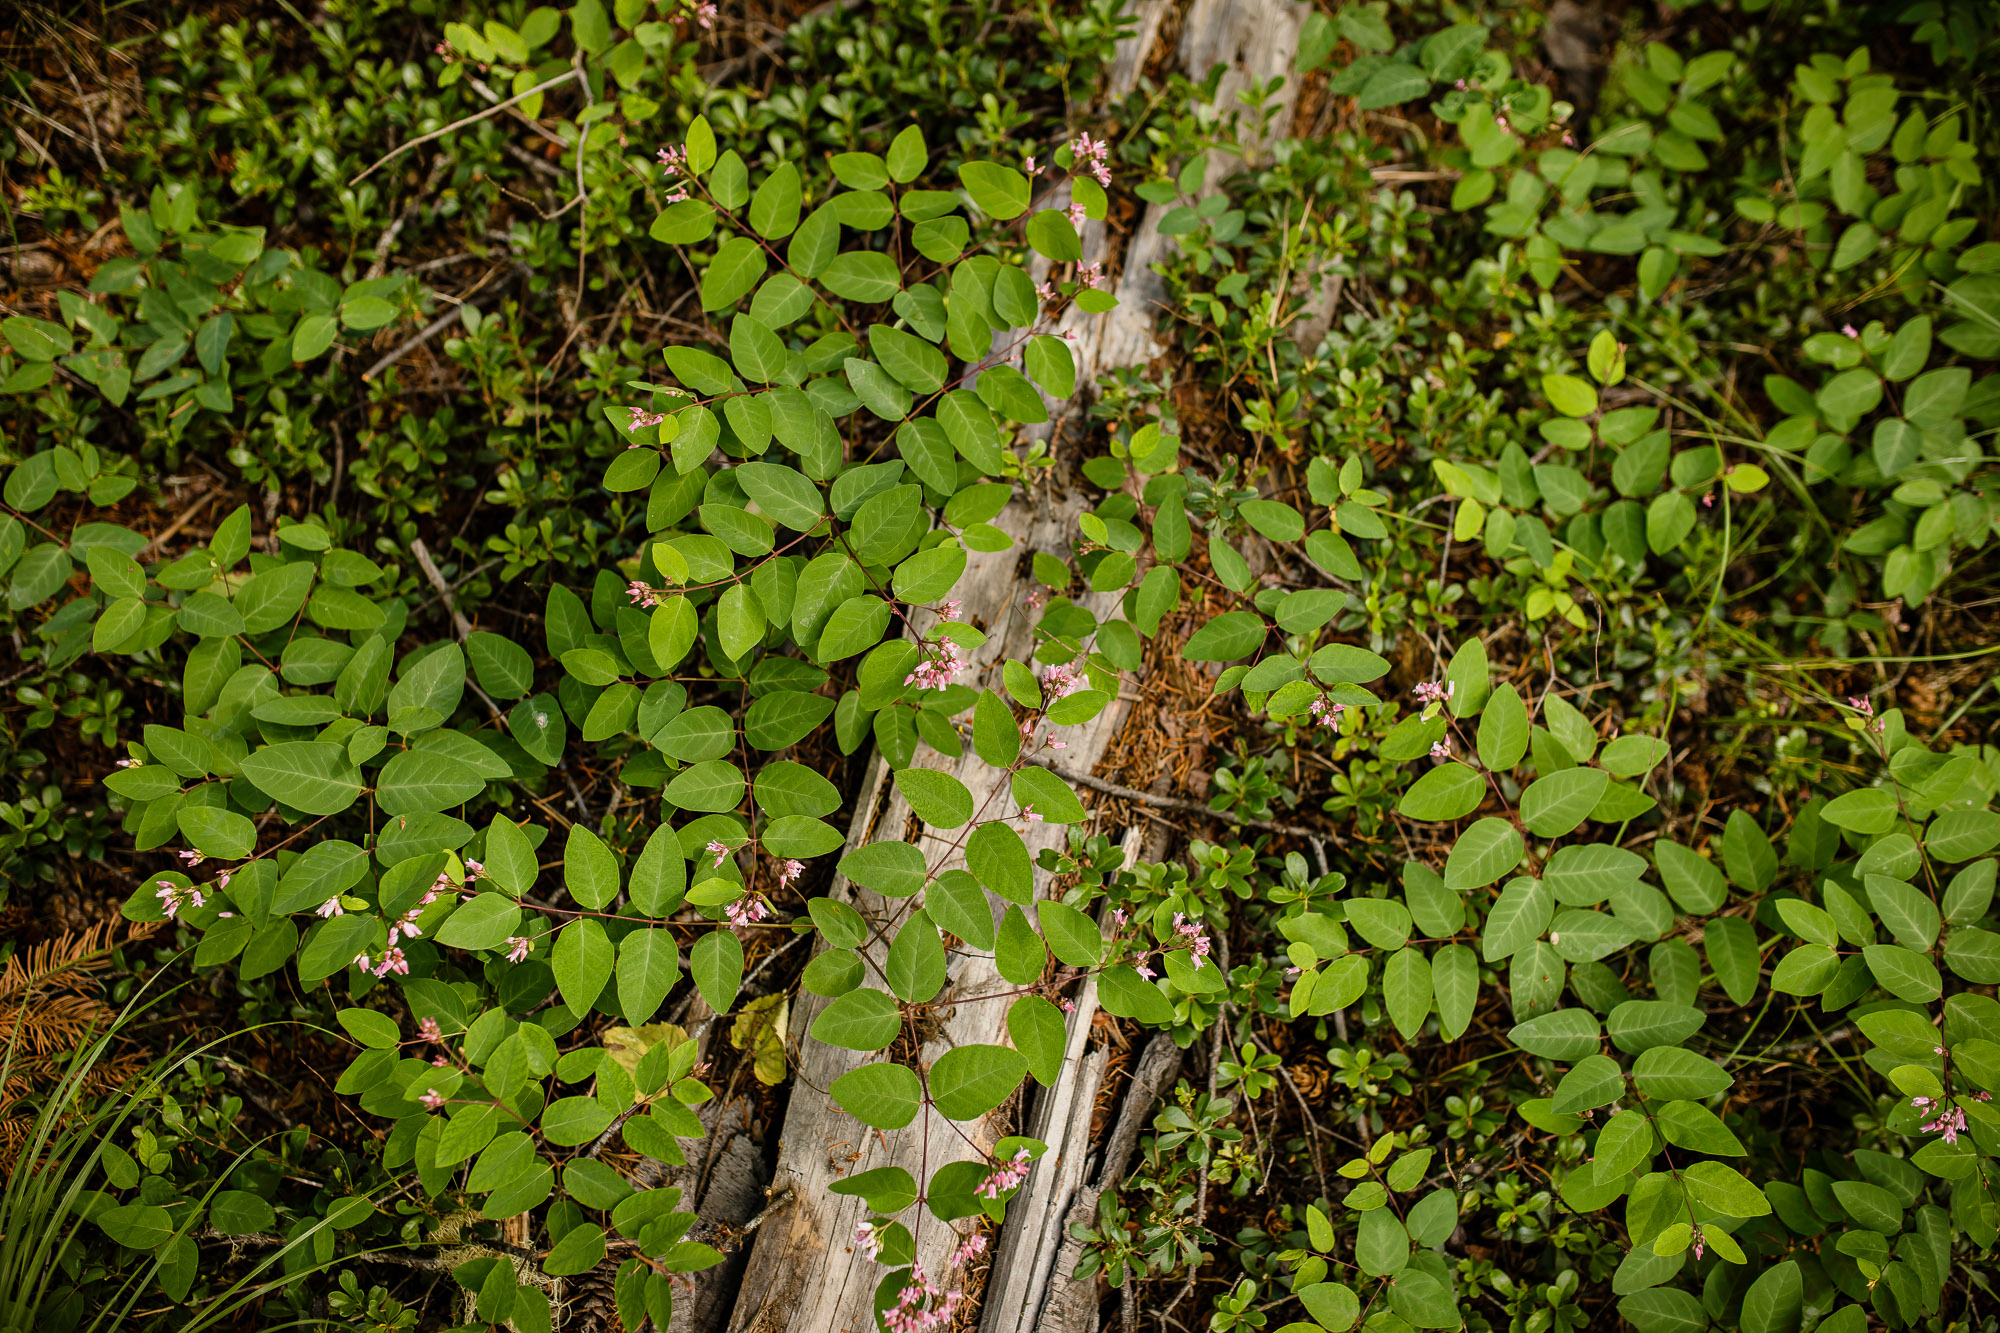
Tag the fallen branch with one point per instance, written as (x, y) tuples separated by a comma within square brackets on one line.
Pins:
[(463, 121), (1182, 803)]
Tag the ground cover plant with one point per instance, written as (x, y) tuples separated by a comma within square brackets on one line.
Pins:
[(1457, 779)]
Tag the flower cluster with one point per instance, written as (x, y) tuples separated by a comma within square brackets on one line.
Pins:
[(517, 948), (923, 1304), (1441, 749), (641, 419), (790, 871), (1004, 1177), (173, 897), (392, 960), (1435, 691), (428, 1030), (674, 159), (331, 907), (969, 1249), (1196, 937), (190, 859), (1092, 155), (1326, 711), (941, 663), (866, 1241), (746, 911), (1059, 682), (643, 597), (1950, 1120), (718, 851)]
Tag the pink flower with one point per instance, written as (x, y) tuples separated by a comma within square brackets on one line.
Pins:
[(641, 418), (1326, 710), (331, 907), (1951, 1124), (704, 13), (392, 961), (1092, 155), (1028, 815), (1198, 942), (1861, 704), (130, 763), (1068, 1005), (642, 596), (866, 1241), (431, 1100), (1850, 330), (746, 911), (1059, 682), (950, 609), (674, 159), (1118, 917), (439, 1062), (1435, 691), (790, 871), (1144, 971), (191, 859), (1034, 599), (718, 851), (1708, 501), (1568, 141), (969, 1249), (1441, 749), (1076, 216), (1030, 164), (1699, 1244), (222, 878), (1004, 1177), (473, 870), (173, 898), (921, 1305), (517, 948), (940, 665), (428, 1030), (1090, 274), (361, 961)]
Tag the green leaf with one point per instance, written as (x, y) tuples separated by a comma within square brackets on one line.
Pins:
[(939, 799), (893, 869), (1406, 991), (590, 869), (1072, 936), (484, 923), (716, 964), (774, 209), (1554, 805), (218, 833), (1231, 635), (968, 1081), (861, 1020), (1046, 795), (309, 776), (1518, 919), (1672, 1073), (1503, 730), (915, 968), (648, 966), (1569, 395), (1903, 973), (1774, 1302), (1381, 1246), (582, 961), (1561, 1034), (1123, 993), (883, 1096), (1640, 1025), (1483, 853), (1037, 1030), (999, 192), (998, 859), (1450, 791)]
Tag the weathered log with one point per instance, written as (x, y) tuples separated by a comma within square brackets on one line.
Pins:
[(803, 1273)]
